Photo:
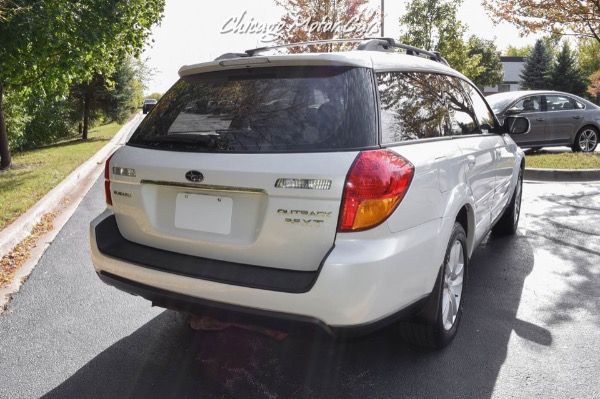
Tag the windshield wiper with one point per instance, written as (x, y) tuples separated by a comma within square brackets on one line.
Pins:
[(204, 140)]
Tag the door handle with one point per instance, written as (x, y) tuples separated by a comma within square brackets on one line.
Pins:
[(470, 161), (540, 119), (577, 117)]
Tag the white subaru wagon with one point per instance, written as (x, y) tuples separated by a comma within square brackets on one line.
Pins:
[(344, 191)]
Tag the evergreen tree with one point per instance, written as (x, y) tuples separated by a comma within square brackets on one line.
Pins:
[(565, 75), (537, 68)]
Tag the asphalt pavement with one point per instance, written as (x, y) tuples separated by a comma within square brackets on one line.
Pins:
[(530, 328)]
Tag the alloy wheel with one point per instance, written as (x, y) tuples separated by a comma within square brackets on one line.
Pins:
[(453, 285), (588, 140)]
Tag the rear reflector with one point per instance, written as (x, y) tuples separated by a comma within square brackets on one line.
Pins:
[(375, 186), (107, 193)]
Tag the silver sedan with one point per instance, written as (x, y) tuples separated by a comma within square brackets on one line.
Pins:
[(557, 118)]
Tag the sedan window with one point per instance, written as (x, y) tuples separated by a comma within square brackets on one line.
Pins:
[(527, 104), (559, 103)]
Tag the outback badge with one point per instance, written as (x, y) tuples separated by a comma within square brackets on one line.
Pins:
[(194, 176)]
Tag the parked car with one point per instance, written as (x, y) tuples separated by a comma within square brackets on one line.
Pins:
[(557, 118), (149, 103), (342, 191)]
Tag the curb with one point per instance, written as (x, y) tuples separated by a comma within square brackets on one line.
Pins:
[(14, 233), (563, 175)]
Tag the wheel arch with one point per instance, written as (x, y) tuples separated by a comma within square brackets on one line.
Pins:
[(466, 218)]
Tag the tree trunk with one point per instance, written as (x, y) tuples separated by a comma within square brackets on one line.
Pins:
[(5, 162), (86, 115)]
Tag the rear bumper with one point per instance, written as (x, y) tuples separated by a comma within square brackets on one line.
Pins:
[(364, 283), (248, 316)]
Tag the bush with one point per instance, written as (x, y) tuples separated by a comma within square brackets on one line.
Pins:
[(17, 118), (51, 121)]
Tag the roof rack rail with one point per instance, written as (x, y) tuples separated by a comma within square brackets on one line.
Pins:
[(387, 44), (366, 44), (254, 51)]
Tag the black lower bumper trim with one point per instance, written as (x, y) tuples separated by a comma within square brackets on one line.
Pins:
[(218, 310), (111, 243)]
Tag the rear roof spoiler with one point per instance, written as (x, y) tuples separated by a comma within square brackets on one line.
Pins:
[(365, 44)]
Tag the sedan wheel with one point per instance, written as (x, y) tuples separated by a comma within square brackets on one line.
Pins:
[(586, 140)]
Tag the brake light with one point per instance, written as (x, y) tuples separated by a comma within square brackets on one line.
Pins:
[(107, 193), (375, 186)]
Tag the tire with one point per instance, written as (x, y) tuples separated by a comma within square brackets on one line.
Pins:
[(449, 291), (509, 221), (586, 140)]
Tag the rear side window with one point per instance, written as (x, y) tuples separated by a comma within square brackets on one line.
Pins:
[(559, 103), (416, 105), (265, 110)]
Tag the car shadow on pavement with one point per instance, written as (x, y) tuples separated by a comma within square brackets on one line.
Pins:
[(166, 359)]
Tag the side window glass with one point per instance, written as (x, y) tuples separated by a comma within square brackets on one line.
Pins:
[(579, 105), (558, 103), (482, 112), (413, 106), (527, 104), (460, 107)]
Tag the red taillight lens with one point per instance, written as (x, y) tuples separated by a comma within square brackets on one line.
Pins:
[(107, 193), (376, 183)]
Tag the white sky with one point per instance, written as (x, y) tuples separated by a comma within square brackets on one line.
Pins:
[(190, 32)]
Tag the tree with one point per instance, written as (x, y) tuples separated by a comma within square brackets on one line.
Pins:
[(120, 93), (46, 44), (488, 55), (537, 68), (433, 25), (562, 17), (565, 75), (155, 95), (594, 87), (309, 20), (588, 56), (90, 97), (512, 51)]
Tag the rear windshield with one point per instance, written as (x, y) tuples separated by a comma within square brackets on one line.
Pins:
[(265, 110)]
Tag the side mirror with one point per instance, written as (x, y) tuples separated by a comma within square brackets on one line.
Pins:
[(516, 125), (513, 111)]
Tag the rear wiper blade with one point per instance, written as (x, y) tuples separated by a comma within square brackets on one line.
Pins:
[(207, 140), (183, 138)]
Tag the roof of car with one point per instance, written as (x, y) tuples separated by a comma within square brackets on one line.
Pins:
[(522, 93), (378, 60)]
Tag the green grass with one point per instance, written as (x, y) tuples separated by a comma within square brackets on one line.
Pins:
[(37, 172), (563, 160)]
